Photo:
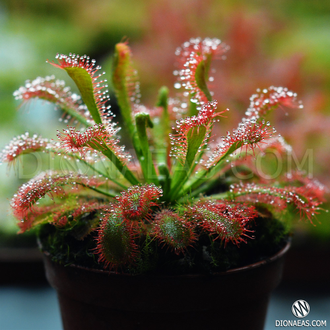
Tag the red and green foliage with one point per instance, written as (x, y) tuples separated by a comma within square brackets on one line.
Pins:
[(174, 230), (176, 188)]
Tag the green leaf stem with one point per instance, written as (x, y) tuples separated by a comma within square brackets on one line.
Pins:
[(122, 81), (142, 122), (84, 83), (194, 140)]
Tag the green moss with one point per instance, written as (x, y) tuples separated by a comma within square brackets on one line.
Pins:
[(206, 256)]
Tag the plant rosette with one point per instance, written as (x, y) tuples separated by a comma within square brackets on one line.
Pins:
[(175, 204)]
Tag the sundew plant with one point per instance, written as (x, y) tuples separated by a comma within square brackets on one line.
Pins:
[(173, 195)]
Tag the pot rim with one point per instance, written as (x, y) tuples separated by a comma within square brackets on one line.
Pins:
[(279, 254)]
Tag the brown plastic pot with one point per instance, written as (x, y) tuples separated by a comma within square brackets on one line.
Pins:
[(96, 299)]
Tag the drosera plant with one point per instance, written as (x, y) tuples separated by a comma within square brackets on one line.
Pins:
[(173, 204)]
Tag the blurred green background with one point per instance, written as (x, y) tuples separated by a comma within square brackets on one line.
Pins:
[(283, 42)]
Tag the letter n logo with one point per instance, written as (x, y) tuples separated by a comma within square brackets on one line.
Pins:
[(300, 308)]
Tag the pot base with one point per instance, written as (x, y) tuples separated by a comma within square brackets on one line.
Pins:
[(241, 317)]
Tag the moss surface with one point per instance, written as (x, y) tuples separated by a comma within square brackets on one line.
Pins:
[(206, 256)]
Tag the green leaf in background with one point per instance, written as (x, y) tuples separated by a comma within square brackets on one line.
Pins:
[(200, 76)]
